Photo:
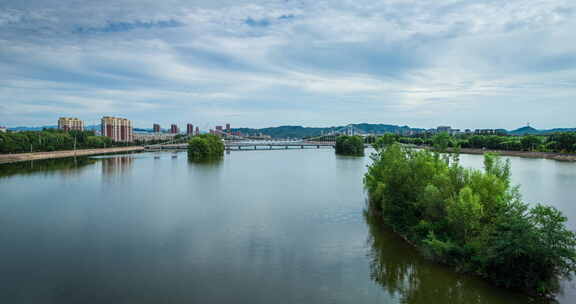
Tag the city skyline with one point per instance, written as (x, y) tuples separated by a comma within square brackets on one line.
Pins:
[(480, 64)]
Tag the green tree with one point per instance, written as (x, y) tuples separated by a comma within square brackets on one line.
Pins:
[(474, 220), (349, 145), (384, 141), (441, 141), (530, 142), (465, 213), (205, 147)]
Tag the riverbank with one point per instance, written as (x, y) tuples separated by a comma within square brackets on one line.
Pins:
[(12, 158), (546, 155)]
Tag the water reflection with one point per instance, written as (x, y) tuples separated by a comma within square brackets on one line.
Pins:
[(116, 166), (402, 272), (63, 166)]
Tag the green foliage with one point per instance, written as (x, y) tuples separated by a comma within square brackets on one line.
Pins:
[(557, 142), (474, 220), (350, 145), (441, 141), (564, 141), (530, 142), (52, 140), (205, 147), (384, 141)]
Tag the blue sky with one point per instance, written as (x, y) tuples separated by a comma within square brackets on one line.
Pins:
[(469, 64)]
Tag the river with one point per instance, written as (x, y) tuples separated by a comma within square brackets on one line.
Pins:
[(282, 226)]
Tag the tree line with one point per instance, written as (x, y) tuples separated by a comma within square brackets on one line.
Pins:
[(52, 140), (474, 220), (558, 142)]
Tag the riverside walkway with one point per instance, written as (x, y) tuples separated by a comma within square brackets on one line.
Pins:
[(12, 158)]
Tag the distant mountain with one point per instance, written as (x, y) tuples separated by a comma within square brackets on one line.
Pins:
[(524, 131), (300, 131), (558, 130), (143, 130), (20, 129), (532, 131)]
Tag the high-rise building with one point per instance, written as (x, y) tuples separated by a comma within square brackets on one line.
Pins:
[(119, 129), (219, 129), (197, 130), (174, 129), (190, 129), (70, 123), (227, 128), (156, 128), (444, 129)]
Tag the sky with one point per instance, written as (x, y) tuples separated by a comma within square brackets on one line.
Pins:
[(422, 63)]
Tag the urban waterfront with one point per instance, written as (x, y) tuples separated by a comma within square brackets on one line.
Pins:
[(259, 227)]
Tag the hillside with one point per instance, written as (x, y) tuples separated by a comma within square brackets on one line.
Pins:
[(532, 131), (300, 131)]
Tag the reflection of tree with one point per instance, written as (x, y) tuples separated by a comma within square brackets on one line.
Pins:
[(65, 166), (401, 271)]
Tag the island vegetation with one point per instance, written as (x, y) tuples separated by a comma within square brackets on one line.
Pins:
[(205, 147), (474, 220), (349, 145)]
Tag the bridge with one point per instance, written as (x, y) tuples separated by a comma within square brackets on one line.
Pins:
[(254, 145), (326, 140)]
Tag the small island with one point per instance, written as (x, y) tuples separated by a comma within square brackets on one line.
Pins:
[(350, 145), (205, 147), (473, 220)]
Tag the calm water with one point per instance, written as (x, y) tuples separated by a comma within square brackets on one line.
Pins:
[(257, 227)]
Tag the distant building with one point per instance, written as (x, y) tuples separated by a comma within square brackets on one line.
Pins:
[(444, 129), (190, 129), (156, 128), (484, 132), (219, 128), (3, 129), (501, 132), (118, 129), (227, 128), (174, 129), (70, 123), (153, 136), (468, 131), (197, 131)]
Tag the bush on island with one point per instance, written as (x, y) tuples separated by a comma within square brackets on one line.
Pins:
[(205, 147), (350, 145), (474, 220)]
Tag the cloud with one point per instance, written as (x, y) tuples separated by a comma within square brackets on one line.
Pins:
[(262, 63)]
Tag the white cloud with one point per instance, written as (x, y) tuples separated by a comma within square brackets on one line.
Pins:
[(403, 61)]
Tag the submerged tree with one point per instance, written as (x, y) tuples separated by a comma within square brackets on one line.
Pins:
[(349, 145), (205, 147), (474, 220)]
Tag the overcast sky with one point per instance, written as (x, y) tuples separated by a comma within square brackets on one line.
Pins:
[(422, 63)]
